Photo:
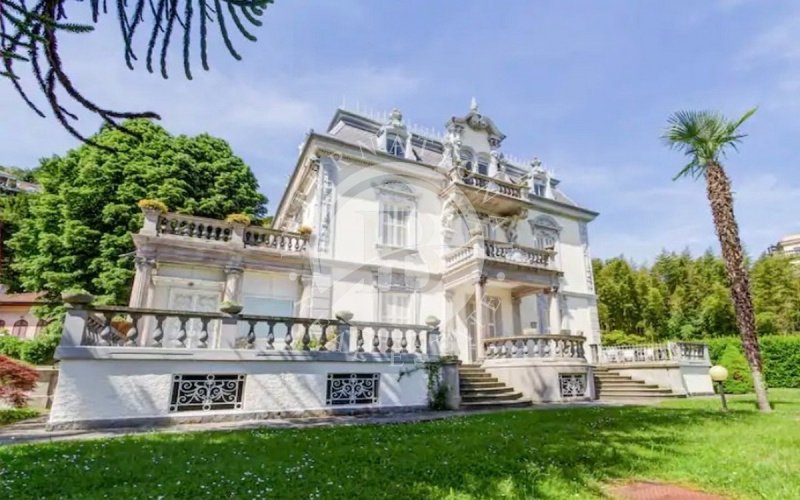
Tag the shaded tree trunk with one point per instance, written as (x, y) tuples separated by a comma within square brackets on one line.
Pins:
[(718, 190)]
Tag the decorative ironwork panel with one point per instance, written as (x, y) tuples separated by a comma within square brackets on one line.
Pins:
[(206, 392), (573, 385), (352, 388)]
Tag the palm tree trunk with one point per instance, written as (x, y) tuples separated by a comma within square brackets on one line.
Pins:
[(718, 190)]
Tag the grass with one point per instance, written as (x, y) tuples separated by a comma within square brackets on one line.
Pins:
[(570, 453), (11, 415)]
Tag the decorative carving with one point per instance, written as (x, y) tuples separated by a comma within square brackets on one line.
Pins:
[(572, 385), (206, 392), (352, 388), (327, 188)]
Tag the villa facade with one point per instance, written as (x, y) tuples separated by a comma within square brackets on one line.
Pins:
[(390, 252)]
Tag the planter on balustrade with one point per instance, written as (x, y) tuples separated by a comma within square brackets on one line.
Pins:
[(545, 368)]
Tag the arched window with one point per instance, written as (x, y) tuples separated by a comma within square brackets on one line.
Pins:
[(467, 158), (2, 323), (20, 327), (39, 326), (545, 231), (395, 145)]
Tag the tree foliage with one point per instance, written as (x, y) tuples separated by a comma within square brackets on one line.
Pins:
[(683, 297), (77, 232), (30, 31)]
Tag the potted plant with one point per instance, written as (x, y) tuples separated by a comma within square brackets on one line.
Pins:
[(153, 204), (238, 218), (230, 307), (77, 296), (305, 230)]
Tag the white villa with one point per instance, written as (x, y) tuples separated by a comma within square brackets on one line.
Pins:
[(389, 248)]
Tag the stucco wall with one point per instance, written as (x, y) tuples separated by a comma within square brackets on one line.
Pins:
[(539, 379), (140, 388), (681, 378)]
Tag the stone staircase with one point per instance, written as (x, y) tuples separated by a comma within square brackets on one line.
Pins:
[(479, 389), (613, 386)]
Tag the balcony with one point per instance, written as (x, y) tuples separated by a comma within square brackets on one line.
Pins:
[(487, 193), (194, 230), (500, 252)]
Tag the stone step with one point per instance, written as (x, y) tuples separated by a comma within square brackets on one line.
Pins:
[(480, 385), (625, 383), (637, 392), (474, 374), (638, 398), (482, 380), (614, 376), (520, 403), (493, 397), (486, 391)]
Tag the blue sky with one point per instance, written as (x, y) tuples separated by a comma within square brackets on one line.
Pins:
[(584, 85)]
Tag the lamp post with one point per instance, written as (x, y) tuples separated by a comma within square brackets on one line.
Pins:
[(719, 374)]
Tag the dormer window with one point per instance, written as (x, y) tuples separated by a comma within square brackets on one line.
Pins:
[(539, 187), (467, 158), (395, 145)]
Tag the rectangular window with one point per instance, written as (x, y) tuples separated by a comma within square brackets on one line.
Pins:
[(396, 308), (539, 187), (396, 226), (395, 146)]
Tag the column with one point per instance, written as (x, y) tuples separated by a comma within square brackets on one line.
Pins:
[(449, 327), (555, 311), (233, 283), (480, 315), (141, 282), (516, 315)]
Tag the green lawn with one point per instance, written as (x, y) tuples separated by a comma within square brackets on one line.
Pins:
[(544, 454)]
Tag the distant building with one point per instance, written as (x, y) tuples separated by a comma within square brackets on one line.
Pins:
[(788, 245), (12, 184), (16, 317)]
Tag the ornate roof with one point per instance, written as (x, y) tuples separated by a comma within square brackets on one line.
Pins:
[(477, 121)]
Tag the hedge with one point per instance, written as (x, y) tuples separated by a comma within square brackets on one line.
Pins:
[(780, 355), (38, 351)]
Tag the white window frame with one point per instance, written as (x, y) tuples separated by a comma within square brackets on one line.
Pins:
[(394, 198), (395, 145), (396, 308)]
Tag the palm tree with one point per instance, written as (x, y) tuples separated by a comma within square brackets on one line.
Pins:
[(705, 137)]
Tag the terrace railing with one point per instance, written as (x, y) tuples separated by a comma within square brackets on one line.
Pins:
[(536, 346), (172, 225), (126, 327), (691, 352), (492, 184)]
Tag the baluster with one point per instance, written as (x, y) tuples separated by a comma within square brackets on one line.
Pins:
[(158, 333), (288, 338), (182, 335), (271, 334), (133, 333), (251, 333), (323, 339), (403, 342), (203, 339), (513, 348), (306, 336), (376, 341), (360, 340), (417, 343), (105, 333), (389, 340)]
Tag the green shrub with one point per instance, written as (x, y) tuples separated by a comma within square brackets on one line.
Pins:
[(41, 350), (11, 415), (740, 381), (11, 346), (618, 337), (780, 355), (766, 323)]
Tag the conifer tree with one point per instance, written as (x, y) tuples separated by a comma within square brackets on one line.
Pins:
[(30, 31)]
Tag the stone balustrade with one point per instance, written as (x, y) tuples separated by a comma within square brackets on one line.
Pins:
[(459, 255), (654, 353), (174, 225), (471, 178), (116, 326), (512, 252), (536, 346)]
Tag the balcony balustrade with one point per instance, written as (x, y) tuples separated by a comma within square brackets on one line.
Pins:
[(654, 353), (511, 253), (174, 225), (554, 347)]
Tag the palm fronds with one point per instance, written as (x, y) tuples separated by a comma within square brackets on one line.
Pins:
[(703, 136), (29, 36)]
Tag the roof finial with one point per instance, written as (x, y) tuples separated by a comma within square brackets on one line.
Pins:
[(473, 105)]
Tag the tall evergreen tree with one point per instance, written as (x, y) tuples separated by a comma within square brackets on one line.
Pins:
[(705, 137), (77, 232)]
